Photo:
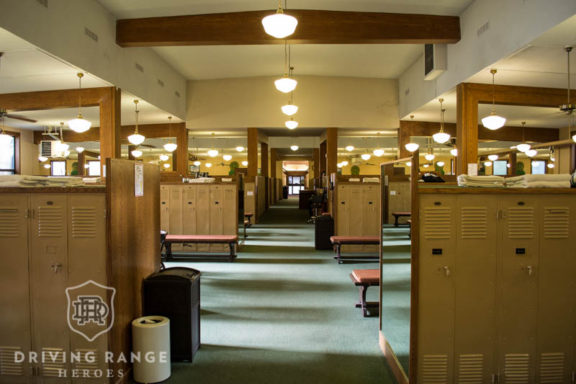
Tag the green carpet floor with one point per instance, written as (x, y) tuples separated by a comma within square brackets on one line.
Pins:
[(283, 313)]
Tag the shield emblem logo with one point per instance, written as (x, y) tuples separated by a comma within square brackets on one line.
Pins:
[(90, 309)]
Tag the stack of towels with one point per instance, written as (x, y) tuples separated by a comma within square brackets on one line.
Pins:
[(539, 181), (39, 181), (481, 181)]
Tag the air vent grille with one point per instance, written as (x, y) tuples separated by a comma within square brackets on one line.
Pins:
[(9, 222), (521, 223), (435, 369), (470, 368), (92, 35), (8, 364), (517, 368), (87, 361), (83, 222), (437, 223), (50, 221), (54, 362), (551, 368), (556, 222), (474, 222)]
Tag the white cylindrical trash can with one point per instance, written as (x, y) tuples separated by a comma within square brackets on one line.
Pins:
[(151, 346)]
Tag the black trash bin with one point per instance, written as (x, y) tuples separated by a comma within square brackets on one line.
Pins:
[(323, 229), (285, 192), (175, 293)]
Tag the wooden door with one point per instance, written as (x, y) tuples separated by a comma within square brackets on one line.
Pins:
[(48, 282), (518, 288), (14, 293)]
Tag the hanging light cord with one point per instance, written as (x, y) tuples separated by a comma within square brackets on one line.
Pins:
[(137, 112), (493, 72), (442, 110), (80, 75), (568, 50), (523, 126)]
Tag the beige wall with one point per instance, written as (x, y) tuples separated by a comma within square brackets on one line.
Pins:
[(28, 152), (324, 102)]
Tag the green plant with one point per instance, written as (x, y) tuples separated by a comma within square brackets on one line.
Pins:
[(439, 169), (355, 170), (233, 166), (74, 171), (520, 169)]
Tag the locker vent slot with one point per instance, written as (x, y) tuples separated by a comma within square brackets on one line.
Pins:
[(556, 222), (437, 223), (87, 360), (83, 222), (474, 222), (521, 223), (551, 368), (517, 368), (435, 369), (470, 369), (50, 222), (54, 361), (8, 222), (8, 364)]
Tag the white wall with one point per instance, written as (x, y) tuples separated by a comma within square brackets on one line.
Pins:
[(324, 102), (60, 30), (512, 24)]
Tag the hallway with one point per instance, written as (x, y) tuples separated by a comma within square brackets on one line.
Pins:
[(283, 313)]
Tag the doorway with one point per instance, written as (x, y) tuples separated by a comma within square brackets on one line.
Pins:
[(296, 184)]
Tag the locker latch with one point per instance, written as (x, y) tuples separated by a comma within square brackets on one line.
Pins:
[(520, 251), (436, 251), (495, 379)]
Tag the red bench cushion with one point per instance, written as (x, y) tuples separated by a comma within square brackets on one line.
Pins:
[(402, 213), (201, 238), (367, 276), (355, 239)]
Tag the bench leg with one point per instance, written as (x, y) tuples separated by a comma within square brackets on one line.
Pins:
[(367, 308), (168, 251), (396, 220), (338, 253), (245, 235), (232, 251)]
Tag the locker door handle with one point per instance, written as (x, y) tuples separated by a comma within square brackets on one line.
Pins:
[(56, 267), (216, 202), (529, 270), (446, 270)]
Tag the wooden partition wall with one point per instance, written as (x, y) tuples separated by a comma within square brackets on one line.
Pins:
[(134, 243)]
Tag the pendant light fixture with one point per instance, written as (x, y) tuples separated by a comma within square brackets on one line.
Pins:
[(523, 147), (294, 147), (136, 153), (378, 152), (208, 165), (164, 157), (493, 157), (80, 149), (244, 163), (430, 155), (290, 109), (197, 163), (454, 152), (170, 146), (531, 153), (569, 108), (344, 163), (286, 83), (411, 147), (279, 25), (239, 148), (349, 148), (136, 138), (291, 124), (213, 152), (227, 157), (441, 137), (493, 121), (79, 124), (365, 156)]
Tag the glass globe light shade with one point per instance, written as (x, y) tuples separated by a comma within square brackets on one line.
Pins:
[(426, 165), (531, 153), (286, 84), (488, 163), (166, 165), (365, 156), (136, 139), (289, 109), (170, 147), (409, 164), (239, 148), (47, 166), (412, 147), (493, 121), (227, 157), (79, 124), (279, 25), (197, 163), (523, 147), (440, 163), (80, 149), (454, 152), (213, 153), (345, 163), (349, 148), (42, 158), (339, 165), (493, 157), (208, 165), (550, 165), (164, 157), (441, 137), (429, 156), (136, 153), (294, 147), (291, 124), (378, 152), (245, 163), (574, 138)]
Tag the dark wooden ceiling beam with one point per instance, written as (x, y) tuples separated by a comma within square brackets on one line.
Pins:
[(314, 27)]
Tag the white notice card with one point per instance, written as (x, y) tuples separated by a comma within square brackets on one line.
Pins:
[(139, 179), (472, 169)]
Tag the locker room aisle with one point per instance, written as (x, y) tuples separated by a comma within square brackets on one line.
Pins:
[(283, 313)]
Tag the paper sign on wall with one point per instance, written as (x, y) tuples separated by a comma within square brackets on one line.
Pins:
[(249, 193), (472, 169), (139, 179)]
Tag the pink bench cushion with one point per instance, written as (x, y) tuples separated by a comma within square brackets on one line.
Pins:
[(366, 276), (355, 239), (201, 238)]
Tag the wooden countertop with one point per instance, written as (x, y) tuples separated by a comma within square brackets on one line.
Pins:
[(454, 190), (90, 189)]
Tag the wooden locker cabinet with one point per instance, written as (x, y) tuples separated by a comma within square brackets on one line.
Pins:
[(496, 283), (58, 240)]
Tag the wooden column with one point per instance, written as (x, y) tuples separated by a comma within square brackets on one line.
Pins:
[(322, 163), (466, 128), (316, 160), (403, 139), (273, 160), (252, 151), (331, 150), (512, 160), (81, 163), (264, 160), (180, 160), (110, 123)]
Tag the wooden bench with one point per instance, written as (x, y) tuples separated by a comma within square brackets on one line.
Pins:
[(398, 215), (339, 241), (231, 240), (364, 278)]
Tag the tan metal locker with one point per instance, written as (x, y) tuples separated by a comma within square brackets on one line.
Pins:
[(165, 208), (189, 214), (48, 281), (175, 215), (203, 214), (556, 284), (370, 214), (436, 289), (15, 322), (475, 279), (518, 291), (216, 216), (350, 214)]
